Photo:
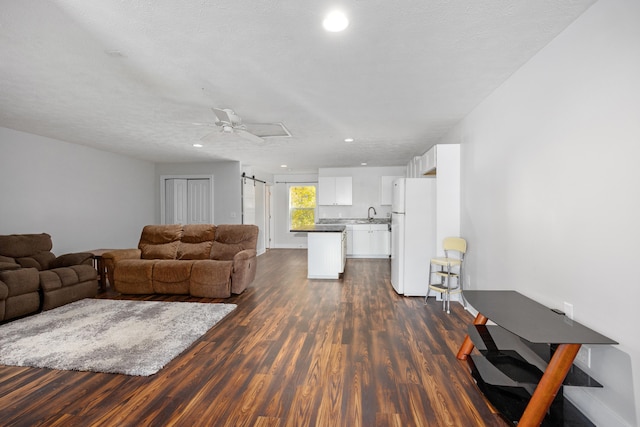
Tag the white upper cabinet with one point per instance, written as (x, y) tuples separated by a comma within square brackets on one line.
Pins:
[(413, 168), (335, 190), (429, 161)]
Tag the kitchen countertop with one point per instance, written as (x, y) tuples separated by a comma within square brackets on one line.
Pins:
[(321, 228), (354, 221)]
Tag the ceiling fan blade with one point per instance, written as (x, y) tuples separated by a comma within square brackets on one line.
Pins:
[(268, 130), (248, 135), (222, 115)]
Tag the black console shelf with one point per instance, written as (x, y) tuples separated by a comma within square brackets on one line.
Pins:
[(496, 343), (527, 358)]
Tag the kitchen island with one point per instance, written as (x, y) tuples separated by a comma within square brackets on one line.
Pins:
[(326, 250)]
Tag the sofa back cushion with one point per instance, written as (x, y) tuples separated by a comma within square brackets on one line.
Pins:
[(196, 241), (160, 241), (233, 238), (28, 250)]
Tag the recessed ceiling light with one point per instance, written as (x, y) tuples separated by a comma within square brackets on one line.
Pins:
[(335, 21), (283, 166), (363, 164), (348, 140), (197, 145)]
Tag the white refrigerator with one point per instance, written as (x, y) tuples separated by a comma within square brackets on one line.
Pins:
[(413, 234)]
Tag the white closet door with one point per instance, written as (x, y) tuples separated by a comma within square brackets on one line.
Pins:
[(199, 201), (187, 200), (175, 201)]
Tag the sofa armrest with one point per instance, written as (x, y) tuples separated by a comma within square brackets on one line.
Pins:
[(244, 254), (4, 293), (118, 254), (68, 260), (244, 270), (112, 257)]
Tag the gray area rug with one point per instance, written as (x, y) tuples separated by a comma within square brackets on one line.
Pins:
[(113, 336)]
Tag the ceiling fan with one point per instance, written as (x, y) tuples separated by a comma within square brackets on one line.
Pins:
[(229, 122)]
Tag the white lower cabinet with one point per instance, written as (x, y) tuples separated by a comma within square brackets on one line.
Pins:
[(368, 241)]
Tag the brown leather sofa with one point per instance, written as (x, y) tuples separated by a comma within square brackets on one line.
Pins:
[(32, 278), (203, 260)]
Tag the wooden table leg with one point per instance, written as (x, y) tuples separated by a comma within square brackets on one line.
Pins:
[(100, 267), (467, 345), (549, 384)]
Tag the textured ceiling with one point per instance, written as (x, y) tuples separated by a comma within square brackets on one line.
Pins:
[(139, 77)]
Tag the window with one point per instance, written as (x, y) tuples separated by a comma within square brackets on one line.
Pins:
[(302, 206)]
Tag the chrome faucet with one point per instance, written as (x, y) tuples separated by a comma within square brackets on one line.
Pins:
[(369, 217)]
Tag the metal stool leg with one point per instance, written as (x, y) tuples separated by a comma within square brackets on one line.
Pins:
[(426, 297)]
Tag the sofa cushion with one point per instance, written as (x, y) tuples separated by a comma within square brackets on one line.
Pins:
[(85, 272), (171, 276), (68, 260), (160, 241), (66, 276), (39, 261), (28, 250), (24, 245), (211, 279), (196, 241), (21, 305), (233, 238), (66, 294), (134, 276), (9, 266), (6, 259), (55, 279), (19, 282)]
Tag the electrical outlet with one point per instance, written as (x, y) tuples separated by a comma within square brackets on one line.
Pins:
[(568, 310), (584, 356)]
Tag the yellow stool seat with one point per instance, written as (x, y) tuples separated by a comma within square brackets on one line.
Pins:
[(447, 271)]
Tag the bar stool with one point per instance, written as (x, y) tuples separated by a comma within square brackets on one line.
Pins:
[(447, 269)]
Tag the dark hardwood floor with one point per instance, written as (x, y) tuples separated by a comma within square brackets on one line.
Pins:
[(296, 352)]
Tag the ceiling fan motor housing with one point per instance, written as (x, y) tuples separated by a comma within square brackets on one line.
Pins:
[(227, 116)]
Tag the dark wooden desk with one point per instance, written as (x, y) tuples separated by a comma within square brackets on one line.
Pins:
[(98, 263), (537, 324)]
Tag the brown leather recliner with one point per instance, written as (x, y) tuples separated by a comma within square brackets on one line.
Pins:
[(202, 260), (33, 278)]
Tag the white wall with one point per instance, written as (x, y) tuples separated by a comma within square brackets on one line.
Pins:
[(227, 203), (85, 198), (551, 197), (366, 191)]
